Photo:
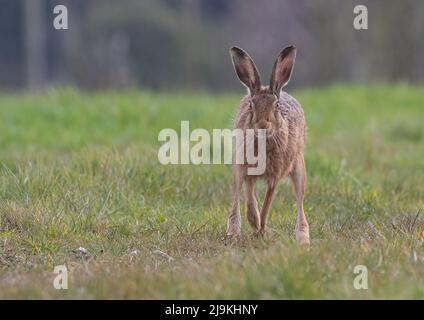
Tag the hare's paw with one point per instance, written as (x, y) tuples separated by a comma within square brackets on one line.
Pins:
[(302, 236), (233, 229), (230, 238), (257, 234), (262, 232)]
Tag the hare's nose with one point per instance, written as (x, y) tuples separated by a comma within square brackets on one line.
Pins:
[(263, 124)]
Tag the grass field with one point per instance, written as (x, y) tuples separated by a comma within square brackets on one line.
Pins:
[(81, 170)]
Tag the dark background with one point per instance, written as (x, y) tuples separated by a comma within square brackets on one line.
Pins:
[(183, 44)]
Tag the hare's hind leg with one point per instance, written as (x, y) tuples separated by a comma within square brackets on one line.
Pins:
[(298, 177), (267, 203), (234, 221), (252, 205)]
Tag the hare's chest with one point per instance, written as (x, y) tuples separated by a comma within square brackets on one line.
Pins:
[(278, 165), (281, 153)]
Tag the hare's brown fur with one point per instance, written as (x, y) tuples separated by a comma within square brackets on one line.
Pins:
[(267, 107)]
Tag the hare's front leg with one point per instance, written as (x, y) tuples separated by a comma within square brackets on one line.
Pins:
[(298, 177), (252, 205), (267, 203), (234, 222)]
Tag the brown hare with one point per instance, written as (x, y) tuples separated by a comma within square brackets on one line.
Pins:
[(270, 108)]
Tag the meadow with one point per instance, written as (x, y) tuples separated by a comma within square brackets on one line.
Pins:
[(81, 170)]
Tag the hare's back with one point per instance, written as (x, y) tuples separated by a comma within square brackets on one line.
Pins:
[(290, 107), (292, 112)]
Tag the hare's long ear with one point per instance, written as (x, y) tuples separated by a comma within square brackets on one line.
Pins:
[(283, 68), (246, 69)]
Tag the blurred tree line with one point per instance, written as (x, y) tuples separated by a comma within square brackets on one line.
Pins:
[(183, 44)]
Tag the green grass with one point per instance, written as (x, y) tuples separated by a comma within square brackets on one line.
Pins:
[(81, 170)]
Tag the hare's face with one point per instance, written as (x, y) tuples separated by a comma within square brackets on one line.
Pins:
[(264, 113), (263, 109)]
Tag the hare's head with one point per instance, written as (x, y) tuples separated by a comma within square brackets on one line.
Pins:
[(263, 100)]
